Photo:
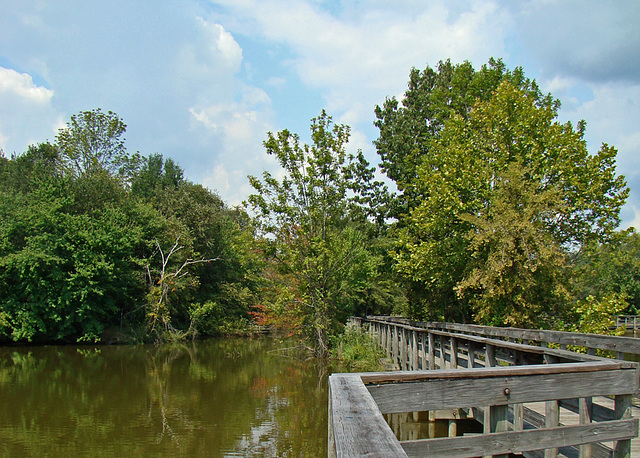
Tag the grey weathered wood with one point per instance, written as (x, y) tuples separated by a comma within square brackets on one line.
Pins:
[(490, 355), (566, 375), (414, 354), (357, 426), (432, 352), (613, 343), (584, 408), (623, 405), (518, 417), (454, 352), (540, 369), (518, 441), (551, 420), (460, 393)]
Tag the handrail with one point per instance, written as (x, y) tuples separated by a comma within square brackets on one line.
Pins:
[(592, 342)]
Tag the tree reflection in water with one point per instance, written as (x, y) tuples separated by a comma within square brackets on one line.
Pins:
[(233, 397)]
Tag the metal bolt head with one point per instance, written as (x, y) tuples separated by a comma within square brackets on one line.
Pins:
[(507, 391)]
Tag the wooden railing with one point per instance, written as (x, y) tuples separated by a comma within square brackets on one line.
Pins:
[(617, 345), (631, 322), (497, 396), (508, 380)]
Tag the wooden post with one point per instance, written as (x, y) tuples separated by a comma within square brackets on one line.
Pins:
[(518, 417), (622, 449), (454, 353), (432, 356), (414, 356), (471, 351), (490, 355), (584, 410), (425, 357), (551, 420), (403, 349), (496, 421)]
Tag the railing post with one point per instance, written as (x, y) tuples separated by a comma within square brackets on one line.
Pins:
[(551, 420), (454, 353), (471, 353), (432, 354), (490, 355), (414, 356), (623, 411), (584, 411)]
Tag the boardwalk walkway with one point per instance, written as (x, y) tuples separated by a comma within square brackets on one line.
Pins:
[(523, 389)]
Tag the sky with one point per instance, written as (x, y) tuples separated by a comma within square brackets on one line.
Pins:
[(203, 81)]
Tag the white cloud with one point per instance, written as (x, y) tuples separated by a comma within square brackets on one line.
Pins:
[(358, 57), (27, 115)]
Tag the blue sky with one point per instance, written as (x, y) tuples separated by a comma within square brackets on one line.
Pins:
[(202, 81)]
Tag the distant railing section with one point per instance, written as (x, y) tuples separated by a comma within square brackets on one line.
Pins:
[(631, 322), (617, 345)]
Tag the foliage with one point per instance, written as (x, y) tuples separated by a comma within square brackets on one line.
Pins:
[(66, 275), (357, 350), (434, 95), (595, 316), (92, 142), (86, 241), (613, 267), (505, 192), (312, 223)]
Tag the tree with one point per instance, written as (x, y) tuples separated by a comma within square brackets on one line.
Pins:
[(155, 174), (92, 142), (309, 221), (610, 268), (433, 96), (505, 193)]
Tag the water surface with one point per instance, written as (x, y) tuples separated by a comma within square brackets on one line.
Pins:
[(238, 397)]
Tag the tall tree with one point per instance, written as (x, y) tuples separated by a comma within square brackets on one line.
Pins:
[(434, 95), (93, 142), (309, 221), (505, 192)]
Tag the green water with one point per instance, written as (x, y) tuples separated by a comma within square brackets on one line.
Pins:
[(216, 398)]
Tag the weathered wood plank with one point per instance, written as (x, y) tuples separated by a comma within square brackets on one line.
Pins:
[(357, 427), (519, 441), (538, 369), (451, 393)]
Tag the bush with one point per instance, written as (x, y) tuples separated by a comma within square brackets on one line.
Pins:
[(357, 350)]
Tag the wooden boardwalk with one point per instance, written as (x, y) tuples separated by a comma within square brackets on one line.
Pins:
[(522, 395)]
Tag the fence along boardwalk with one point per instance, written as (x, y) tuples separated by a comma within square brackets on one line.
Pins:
[(530, 399)]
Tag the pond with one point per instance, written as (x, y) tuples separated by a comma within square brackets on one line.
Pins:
[(234, 397)]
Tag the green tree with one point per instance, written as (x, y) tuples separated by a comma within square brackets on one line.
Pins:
[(602, 269), (434, 95), (67, 276), (506, 192), (156, 174), (310, 223), (93, 142)]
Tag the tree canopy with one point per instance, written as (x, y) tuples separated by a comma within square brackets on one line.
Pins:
[(86, 229), (502, 194)]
